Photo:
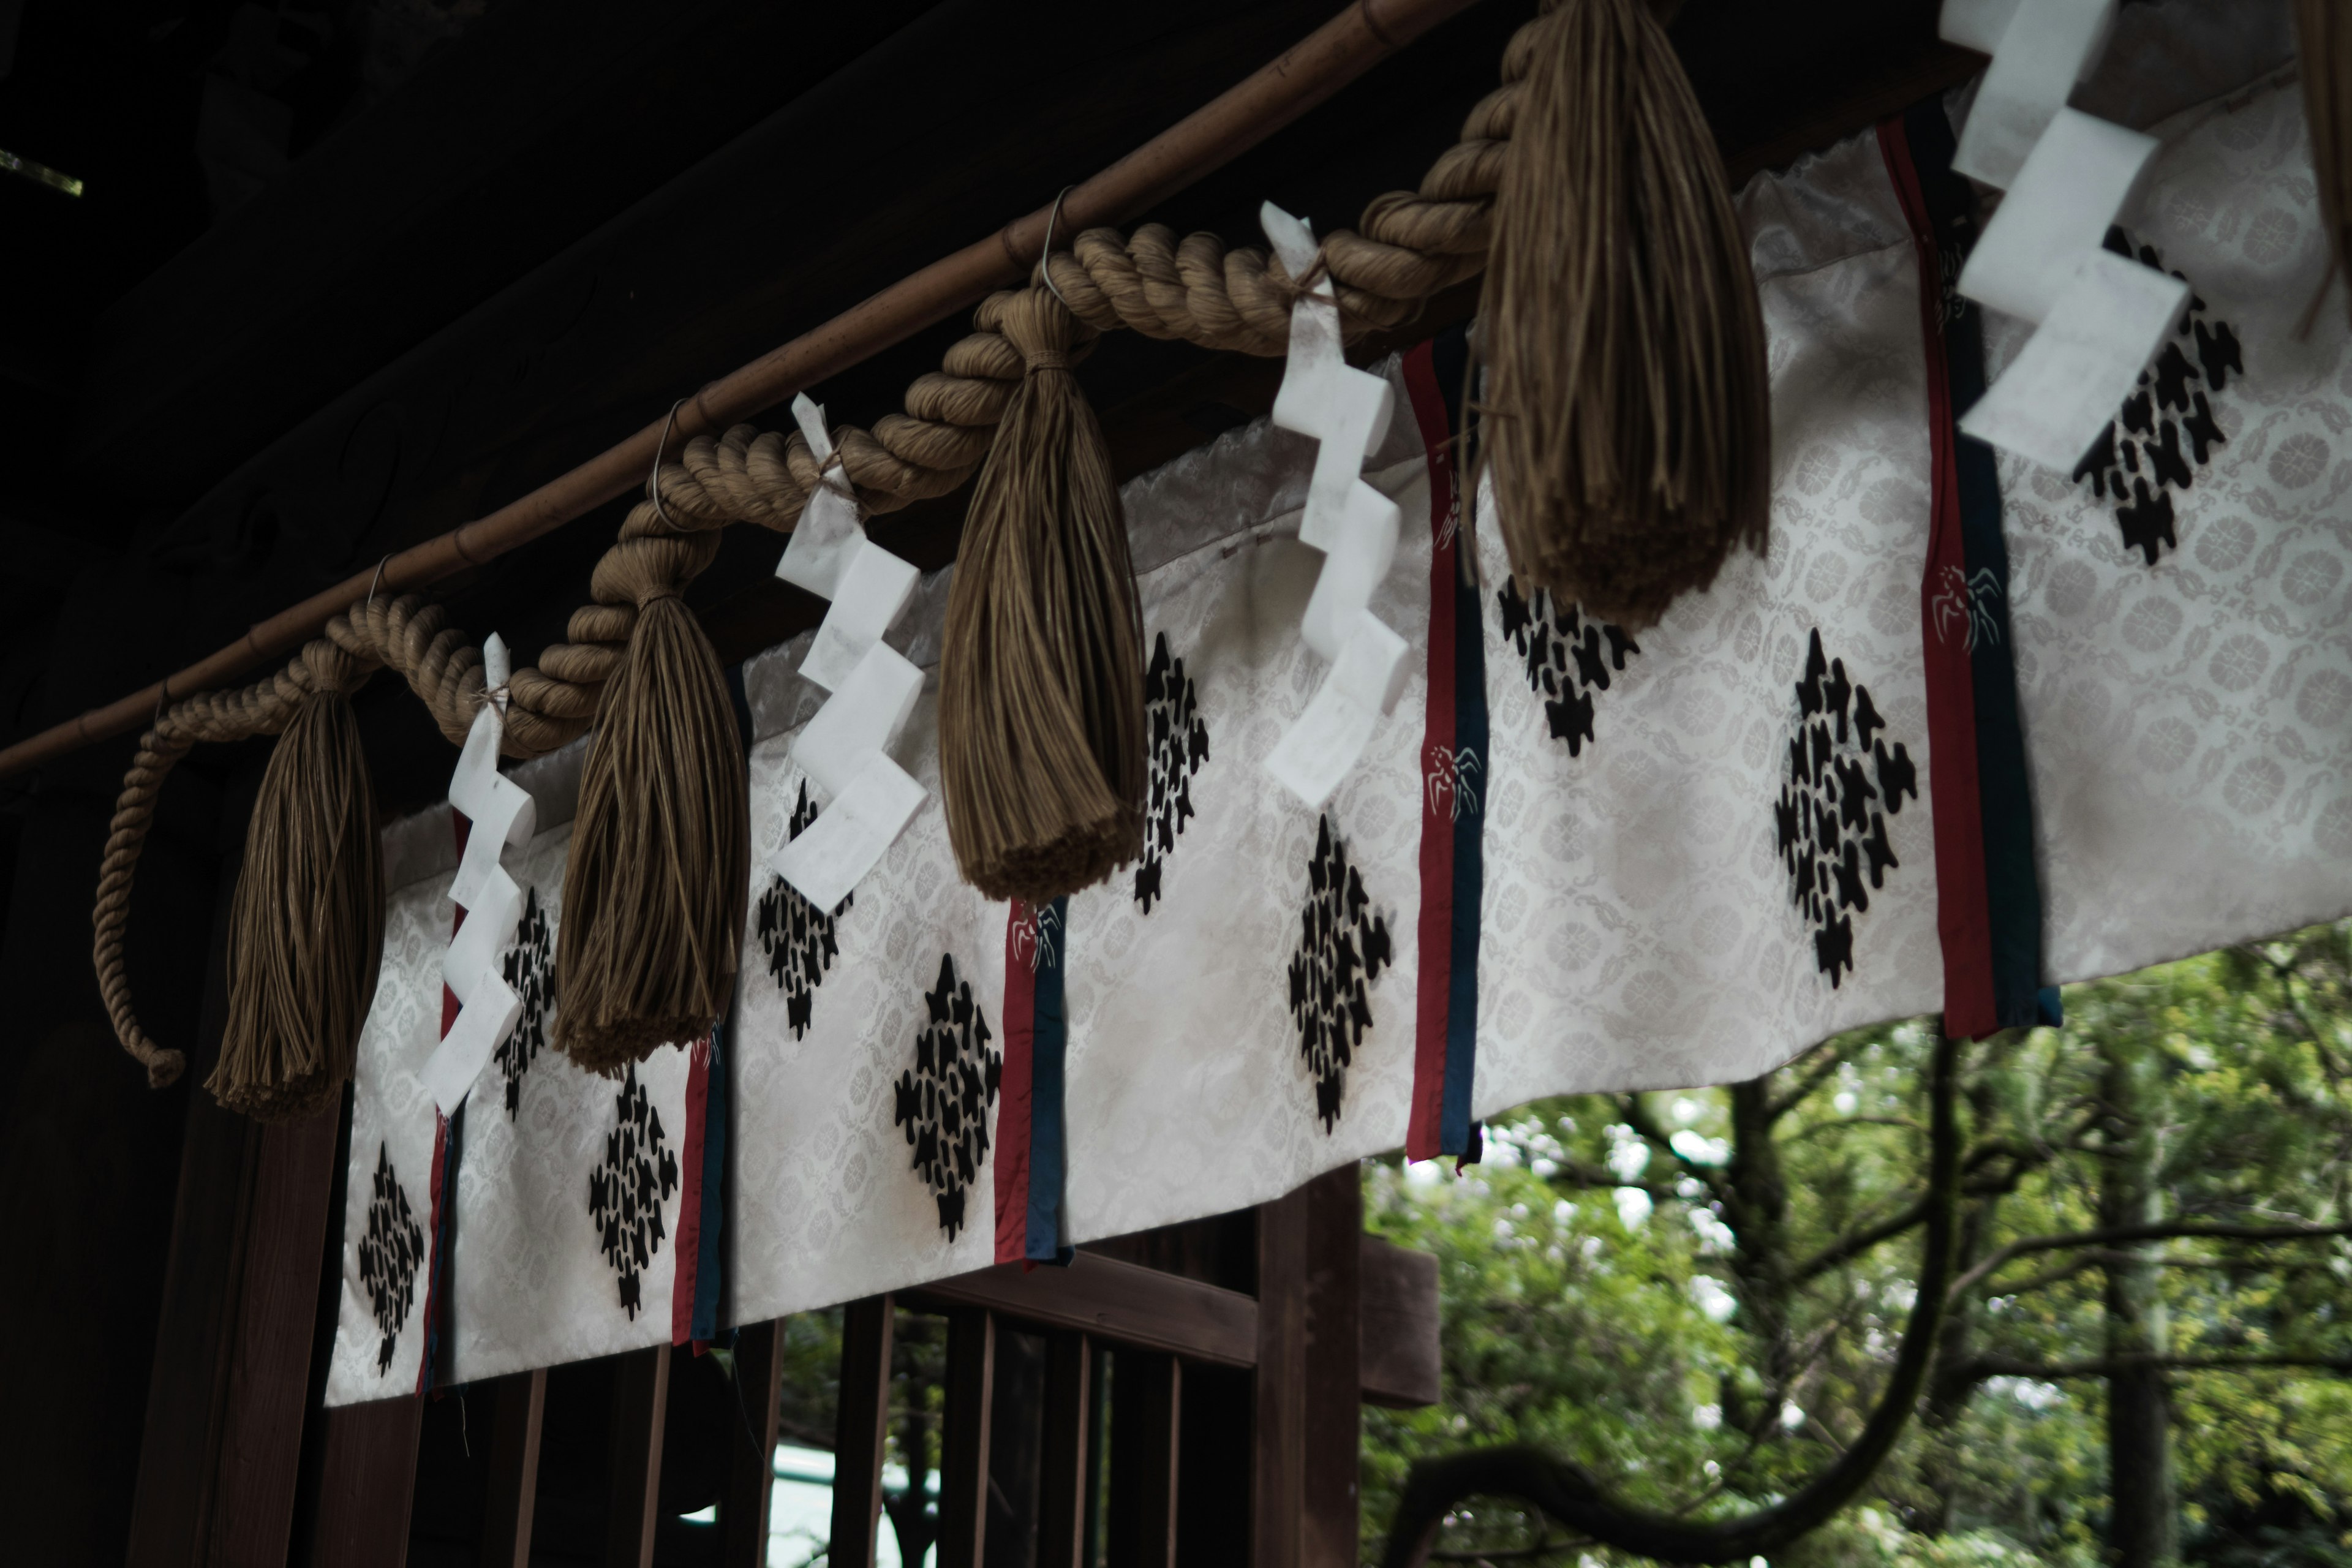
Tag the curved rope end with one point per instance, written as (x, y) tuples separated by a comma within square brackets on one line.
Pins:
[(164, 1067)]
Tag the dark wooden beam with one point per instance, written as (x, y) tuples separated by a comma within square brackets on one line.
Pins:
[(519, 1408), (1310, 1246), (366, 1483), (276, 1319), (963, 1446), (640, 1401), (1118, 1302), (863, 1421), (751, 1457), (1398, 1356)]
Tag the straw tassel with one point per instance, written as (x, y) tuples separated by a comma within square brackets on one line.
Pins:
[(660, 862), (1630, 422), (306, 925), (1041, 671)]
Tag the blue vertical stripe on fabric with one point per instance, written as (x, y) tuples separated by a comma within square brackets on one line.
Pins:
[(2004, 791), (1049, 1039), (1449, 361)]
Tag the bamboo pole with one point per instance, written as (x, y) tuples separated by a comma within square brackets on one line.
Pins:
[(1299, 79)]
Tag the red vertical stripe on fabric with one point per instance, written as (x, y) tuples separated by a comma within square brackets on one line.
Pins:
[(1013, 1105), (687, 1247), (433, 1272), (1963, 909), (1435, 932)]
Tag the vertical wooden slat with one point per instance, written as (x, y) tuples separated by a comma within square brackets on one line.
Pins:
[(195, 1331), (366, 1481), (1064, 1485), (1281, 1390), (963, 1444), (1331, 1528), (1309, 1254), (640, 1400), (864, 1418), (751, 1457), (1147, 1406), (270, 1369), (520, 1403)]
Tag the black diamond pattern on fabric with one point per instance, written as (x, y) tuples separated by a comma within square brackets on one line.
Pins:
[(1343, 945), (1179, 740), (1568, 658), (2164, 434), (943, 1104), (530, 968), (628, 1186), (797, 939), (1829, 826), (391, 1253)]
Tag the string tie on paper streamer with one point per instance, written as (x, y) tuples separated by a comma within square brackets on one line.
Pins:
[(845, 750), (500, 813), (1356, 527), (2099, 317)]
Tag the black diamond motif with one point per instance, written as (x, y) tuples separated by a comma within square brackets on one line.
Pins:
[(1829, 826), (628, 1186), (1179, 740), (1343, 945), (943, 1103), (391, 1253), (797, 939)]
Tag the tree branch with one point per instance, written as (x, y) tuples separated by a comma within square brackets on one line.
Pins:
[(1636, 1115), (1814, 1077), (1573, 1497), (1975, 1368), (2170, 1230), (1854, 1244)]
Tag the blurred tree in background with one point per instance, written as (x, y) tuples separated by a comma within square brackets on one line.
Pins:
[(1696, 1296)]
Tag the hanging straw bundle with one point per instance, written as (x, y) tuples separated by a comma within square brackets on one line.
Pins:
[(305, 926), (1629, 421), (1040, 672), (2324, 31), (660, 863)]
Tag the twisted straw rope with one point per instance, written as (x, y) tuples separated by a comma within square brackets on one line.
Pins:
[(1412, 245)]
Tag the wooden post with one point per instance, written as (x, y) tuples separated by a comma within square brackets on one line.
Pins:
[(1146, 1404), (866, 1329), (367, 1479), (640, 1400), (751, 1458), (520, 1403), (963, 1446), (1310, 1257), (1064, 1486)]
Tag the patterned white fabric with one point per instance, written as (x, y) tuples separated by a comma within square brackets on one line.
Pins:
[(2189, 721)]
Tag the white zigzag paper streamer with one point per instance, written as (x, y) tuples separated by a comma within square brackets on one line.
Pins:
[(501, 813), (2069, 176), (1355, 526), (845, 750)]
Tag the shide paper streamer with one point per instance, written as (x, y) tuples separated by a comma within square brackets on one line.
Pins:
[(844, 749), (2099, 316), (500, 812), (1354, 525)]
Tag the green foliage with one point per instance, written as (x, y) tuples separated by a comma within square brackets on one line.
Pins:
[(1697, 1295)]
